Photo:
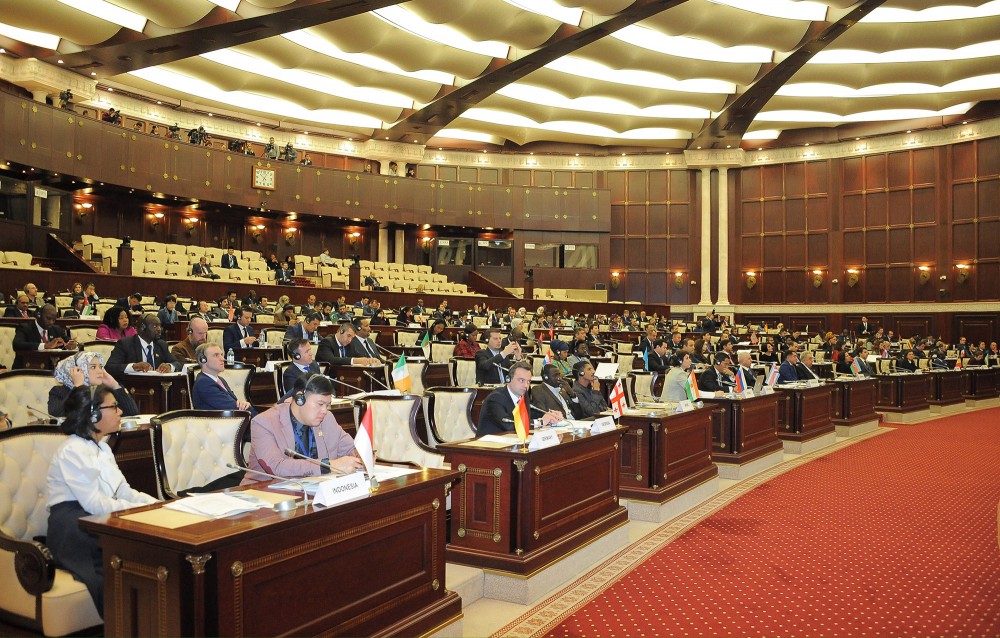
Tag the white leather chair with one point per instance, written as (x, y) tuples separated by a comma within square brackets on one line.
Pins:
[(441, 352), (463, 371), (21, 388), (416, 370), (83, 334), (102, 347), (395, 430), (192, 447), (7, 346), (639, 386), (448, 414), (405, 338), (36, 594), (625, 363)]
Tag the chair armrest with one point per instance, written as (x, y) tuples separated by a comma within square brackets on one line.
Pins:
[(33, 564)]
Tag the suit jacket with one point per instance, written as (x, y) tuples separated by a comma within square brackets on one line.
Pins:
[(129, 350), (229, 261), (588, 401), (864, 328), (486, 367), (787, 373), (297, 332), (645, 344), (198, 271), (12, 311), (749, 377), (232, 337), (707, 325), (282, 276), (711, 380), (363, 348), (329, 352), (542, 396), (673, 385), (293, 372), (804, 372), (206, 394), (497, 414), (27, 337), (183, 351), (656, 362), (271, 434)]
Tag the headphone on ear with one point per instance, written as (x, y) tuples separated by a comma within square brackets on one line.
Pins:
[(296, 355), (300, 398), (202, 357), (95, 410), (189, 331)]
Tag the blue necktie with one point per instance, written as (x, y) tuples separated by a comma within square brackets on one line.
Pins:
[(149, 354)]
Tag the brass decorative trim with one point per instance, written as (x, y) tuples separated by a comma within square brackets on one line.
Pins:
[(498, 472), (519, 464), (198, 562), (436, 504)]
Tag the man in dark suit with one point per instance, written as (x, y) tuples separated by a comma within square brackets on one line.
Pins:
[(335, 349), (745, 362), (229, 260), (708, 324), (862, 357), (493, 361), (210, 391), (372, 281), (362, 345), (718, 379), (804, 368), (203, 270), (40, 334), (240, 334), (657, 357), (787, 372), (283, 276), (552, 394), (303, 362), (21, 308), (142, 352), (497, 413), (305, 329), (646, 343), (864, 328)]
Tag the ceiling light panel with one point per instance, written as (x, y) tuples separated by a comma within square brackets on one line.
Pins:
[(110, 12), (442, 34), (691, 48), (34, 38)]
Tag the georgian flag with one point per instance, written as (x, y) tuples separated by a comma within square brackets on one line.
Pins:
[(617, 398)]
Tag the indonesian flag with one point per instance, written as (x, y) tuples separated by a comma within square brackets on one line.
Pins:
[(617, 398), (741, 381), (364, 441), (401, 375), (856, 367), (521, 419), (772, 376), (753, 338), (691, 386)]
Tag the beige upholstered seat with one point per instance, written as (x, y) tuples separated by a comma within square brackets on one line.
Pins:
[(7, 346), (36, 594), (22, 388), (83, 334), (625, 363), (416, 370), (441, 352), (448, 414), (640, 386), (103, 347), (463, 371), (215, 336), (192, 447), (404, 338), (395, 430)]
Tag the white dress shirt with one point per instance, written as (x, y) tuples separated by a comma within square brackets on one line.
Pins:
[(85, 471)]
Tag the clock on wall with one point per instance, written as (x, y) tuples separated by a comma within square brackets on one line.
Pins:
[(263, 178)]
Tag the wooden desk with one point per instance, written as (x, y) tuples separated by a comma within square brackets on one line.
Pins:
[(518, 512), (664, 454), (805, 413), (902, 393), (983, 383), (133, 450), (854, 401), (744, 429), (258, 357), (158, 393), (366, 568), (948, 387), (355, 376), (44, 359)]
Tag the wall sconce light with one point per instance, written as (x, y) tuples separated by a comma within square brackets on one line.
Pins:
[(189, 226), (83, 209), (852, 277), (354, 239), (155, 221), (963, 272), (289, 235), (616, 279), (751, 279), (925, 275), (425, 243), (257, 233), (678, 280), (817, 278)]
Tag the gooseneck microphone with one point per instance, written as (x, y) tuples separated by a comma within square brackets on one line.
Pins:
[(282, 506), (290, 453), (45, 414), (348, 385), (376, 380)]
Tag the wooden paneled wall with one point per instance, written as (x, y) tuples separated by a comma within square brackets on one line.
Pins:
[(886, 215)]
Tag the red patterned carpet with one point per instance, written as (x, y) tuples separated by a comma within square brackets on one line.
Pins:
[(895, 535)]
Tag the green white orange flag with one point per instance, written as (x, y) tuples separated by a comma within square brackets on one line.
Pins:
[(401, 375), (521, 419), (691, 386)]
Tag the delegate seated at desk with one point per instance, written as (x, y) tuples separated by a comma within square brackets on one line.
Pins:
[(142, 352), (497, 413), (210, 391), (586, 387), (86, 369), (675, 383), (717, 379), (336, 350), (303, 362), (40, 334), (240, 334), (552, 394), (493, 361), (305, 425), (787, 372), (908, 362)]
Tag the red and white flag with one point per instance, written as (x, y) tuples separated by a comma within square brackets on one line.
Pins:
[(617, 398), (364, 441)]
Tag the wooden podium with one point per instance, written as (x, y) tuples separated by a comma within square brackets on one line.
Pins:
[(373, 567)]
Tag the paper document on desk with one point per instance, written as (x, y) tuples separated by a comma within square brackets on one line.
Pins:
[(606, 370), (309, 483), (387, 472), (215, 505)]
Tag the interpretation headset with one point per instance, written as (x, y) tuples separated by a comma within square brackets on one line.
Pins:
[(296, 355), (95, 410), (310, 387)]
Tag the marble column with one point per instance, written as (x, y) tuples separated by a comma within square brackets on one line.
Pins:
[(723, 236), (706, 237)]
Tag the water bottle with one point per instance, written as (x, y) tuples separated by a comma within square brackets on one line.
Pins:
[(230, 357), (315, 338)]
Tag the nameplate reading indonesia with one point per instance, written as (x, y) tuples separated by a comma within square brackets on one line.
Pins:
[(342, 489)]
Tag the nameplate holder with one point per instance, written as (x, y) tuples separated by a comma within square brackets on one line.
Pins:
[(602, 425), (748, 393), (812, 383), (685, 406), (543, 439), (766, 390), (342, 489)]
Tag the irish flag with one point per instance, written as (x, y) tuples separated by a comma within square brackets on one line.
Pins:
[(522, 421), (691, 386), (364, 440), (401, 375)]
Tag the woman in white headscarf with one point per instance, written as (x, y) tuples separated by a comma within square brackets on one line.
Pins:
[(86, 369)]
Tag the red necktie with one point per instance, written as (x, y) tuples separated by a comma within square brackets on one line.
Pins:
[(45, 336), (24, 314)]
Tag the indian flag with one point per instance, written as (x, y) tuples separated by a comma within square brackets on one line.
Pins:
[(364, 440), (521, 420), (401, 375), (691, 386)]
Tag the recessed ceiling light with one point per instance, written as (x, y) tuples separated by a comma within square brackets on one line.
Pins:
[(59, 61), (910, 131), (93, 72), (965, 121), (807, 143), (211, 115), (111, 90)]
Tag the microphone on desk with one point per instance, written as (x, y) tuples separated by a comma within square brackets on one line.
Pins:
[(283, 506), (376, 380), (290, 453), (45, 414), (353, 387), (384, 349)]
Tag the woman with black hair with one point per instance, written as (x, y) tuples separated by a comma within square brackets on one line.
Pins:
[(435, 332), (405, 316), (768, 353), (115, 325), (84, 480)]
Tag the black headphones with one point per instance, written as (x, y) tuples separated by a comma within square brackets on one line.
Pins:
[(95, 410), (296, 355), (300, 397), (189, 331)]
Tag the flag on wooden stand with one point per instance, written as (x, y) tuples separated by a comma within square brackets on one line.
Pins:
[(522, 421), (364, 441), (617, 398), (401, 375)]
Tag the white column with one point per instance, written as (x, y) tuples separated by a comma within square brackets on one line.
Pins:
[(383, 244), (723, 236), (39, 95), (706, 237), (399, 253)]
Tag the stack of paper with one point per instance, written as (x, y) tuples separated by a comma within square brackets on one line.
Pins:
[(215, 505)]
